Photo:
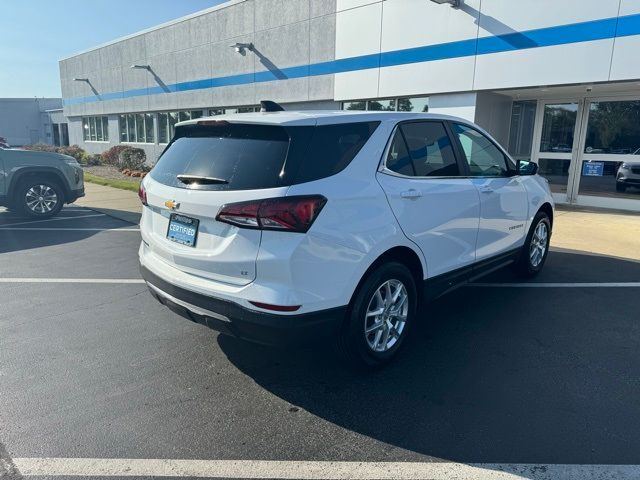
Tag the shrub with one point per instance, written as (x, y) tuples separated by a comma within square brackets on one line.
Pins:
[(74, 151), (112, 156), (94, 160), (132, 158), (40, 147)]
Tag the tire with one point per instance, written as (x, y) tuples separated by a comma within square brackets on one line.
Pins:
[(36, 198), (621, 187), (380, 345), (530, 262)]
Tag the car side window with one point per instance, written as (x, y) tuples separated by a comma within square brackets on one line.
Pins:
[(422, 149), (398, 159), (430, 149), (483, 157)]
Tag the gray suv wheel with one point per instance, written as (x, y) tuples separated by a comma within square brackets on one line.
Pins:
[(39, 198)]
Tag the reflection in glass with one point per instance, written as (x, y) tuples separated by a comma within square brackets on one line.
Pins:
[(382, 105), (131, 128), (414, 104), (139, 128), (92, 128), (611, 178), (105, 128), (556, 171), (122, 122), (558, 126), (354, 105), (614, 127), (407, 104), (148, 128), (611, 163), (163, 128), (523, 117)]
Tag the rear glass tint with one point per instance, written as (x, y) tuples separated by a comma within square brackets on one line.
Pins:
[(243, 157)]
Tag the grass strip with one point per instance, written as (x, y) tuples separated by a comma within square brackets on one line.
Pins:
[(131, 185)]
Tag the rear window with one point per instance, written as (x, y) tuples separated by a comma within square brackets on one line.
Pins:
[(243, 157)]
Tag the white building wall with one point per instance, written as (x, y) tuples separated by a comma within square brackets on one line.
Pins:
[(403, 27), (561, 64), (380, 27), (461, 105), (625, 63)]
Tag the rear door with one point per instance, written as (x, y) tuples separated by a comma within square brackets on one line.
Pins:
[(204, 168), (435, 206), (503, 198)]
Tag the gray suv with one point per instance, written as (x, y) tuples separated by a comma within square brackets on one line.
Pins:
[(38, 184)]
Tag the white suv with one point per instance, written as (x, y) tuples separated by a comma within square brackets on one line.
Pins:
[(285, 226)]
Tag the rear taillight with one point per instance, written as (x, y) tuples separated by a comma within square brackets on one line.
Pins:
[(291, 214), (142, 194)]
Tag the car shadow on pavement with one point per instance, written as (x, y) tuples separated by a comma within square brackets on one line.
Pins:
[(18, 233), (490, 374)]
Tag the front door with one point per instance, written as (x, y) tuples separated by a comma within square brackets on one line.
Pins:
[(503, 199), (556, 145), (436, 207)]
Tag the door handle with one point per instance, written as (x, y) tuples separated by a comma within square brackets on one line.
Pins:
[(411, 193), (487, 190)]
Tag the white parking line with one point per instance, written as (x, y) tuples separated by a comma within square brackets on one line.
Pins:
[(267, 469), (561, 285), (40, 229), (52, 220), (71, 280)]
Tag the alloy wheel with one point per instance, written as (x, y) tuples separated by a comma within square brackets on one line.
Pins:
[(41, 199), (386, 315), (539, 244)]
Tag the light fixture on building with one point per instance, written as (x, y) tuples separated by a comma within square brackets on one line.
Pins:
[(86, 80), (242, 48), (453, 3), (141, 67)]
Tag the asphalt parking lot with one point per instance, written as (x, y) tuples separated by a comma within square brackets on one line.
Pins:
[(95, 368)]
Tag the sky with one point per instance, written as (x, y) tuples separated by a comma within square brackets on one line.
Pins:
[(35, 34)]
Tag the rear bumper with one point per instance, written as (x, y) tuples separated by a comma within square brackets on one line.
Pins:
[(232, 319)]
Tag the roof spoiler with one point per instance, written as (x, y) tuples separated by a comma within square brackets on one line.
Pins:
[(269, 106)]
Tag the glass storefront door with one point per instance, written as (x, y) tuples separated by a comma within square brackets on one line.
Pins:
[(609, 156), (587, 148), (556, 137)]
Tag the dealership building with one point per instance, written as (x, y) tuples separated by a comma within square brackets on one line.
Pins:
[(554, 81)]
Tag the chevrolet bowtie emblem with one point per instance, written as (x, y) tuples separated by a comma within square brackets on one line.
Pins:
[(172, 204)]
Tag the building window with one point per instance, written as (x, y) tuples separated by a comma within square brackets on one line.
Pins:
[(229, 110), (523, 118), (168, 120), (137, 128), (95, 129), (404, 104)]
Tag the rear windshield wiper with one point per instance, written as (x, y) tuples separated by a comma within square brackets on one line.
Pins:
[(189, 179)]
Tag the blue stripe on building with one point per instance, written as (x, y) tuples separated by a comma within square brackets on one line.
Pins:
[(543, 37)]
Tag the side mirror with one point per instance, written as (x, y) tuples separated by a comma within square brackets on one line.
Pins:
[(525, 167)]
